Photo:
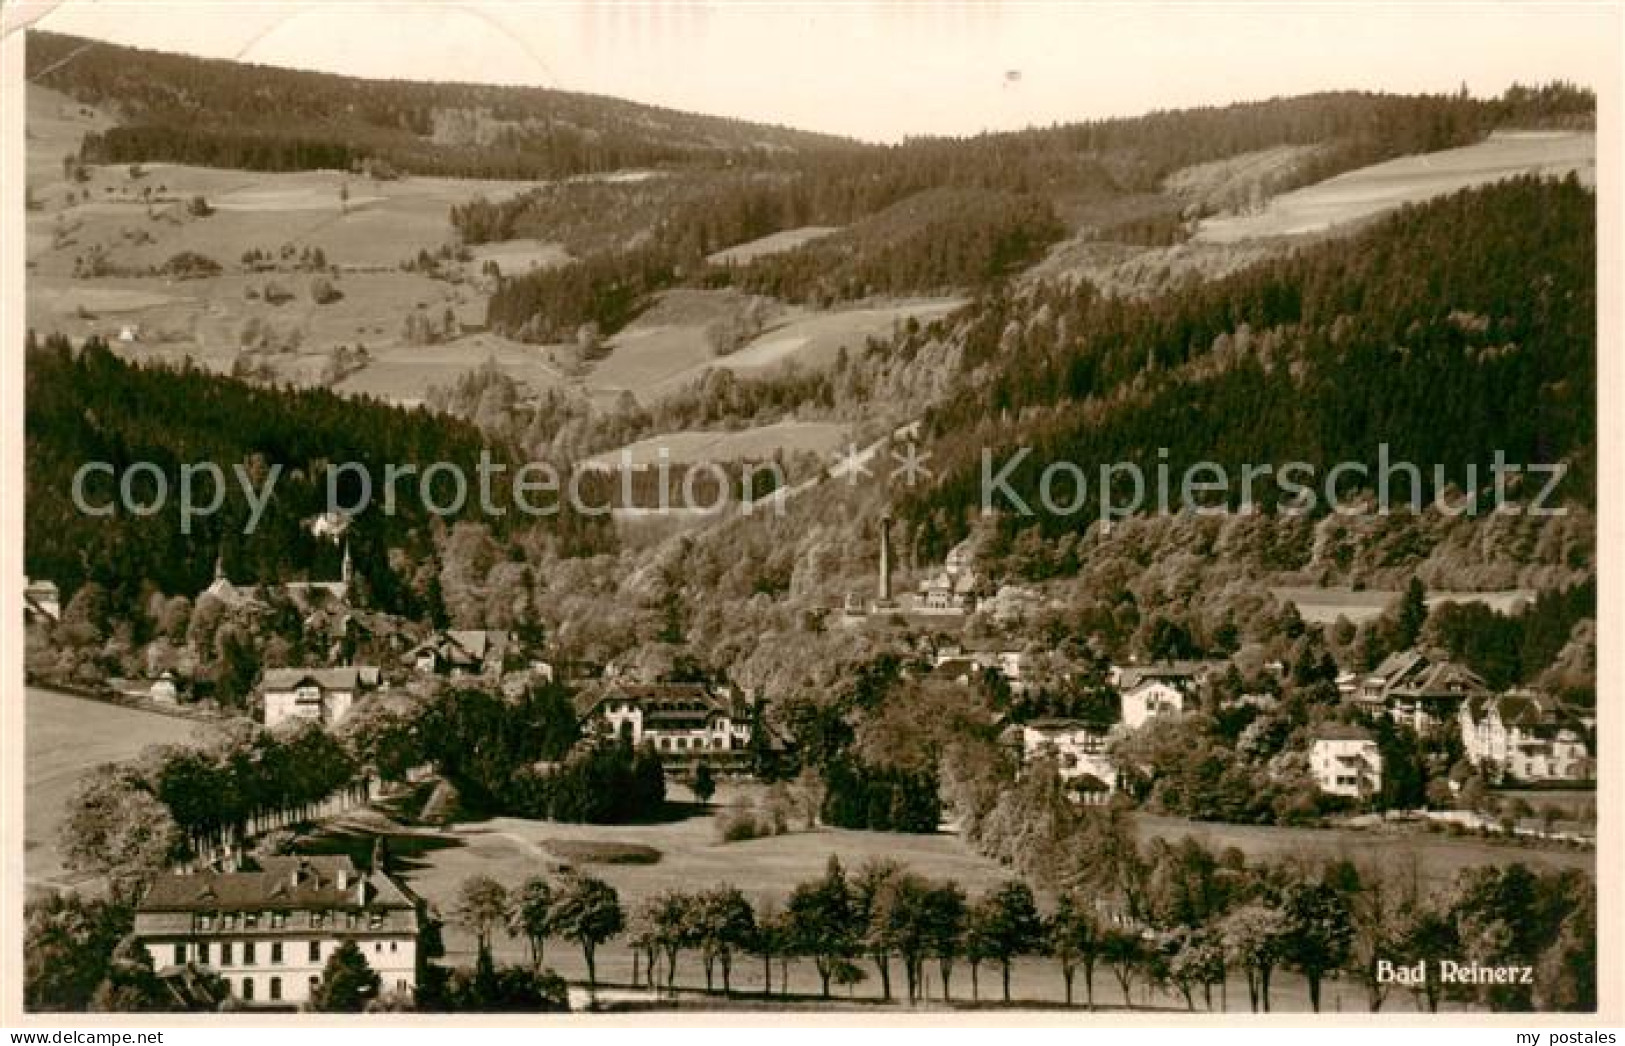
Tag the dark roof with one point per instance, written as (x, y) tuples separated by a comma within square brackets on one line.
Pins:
[(1341, 732), (1182, 671), (280, 883), (465, 646), (658, 700), (1055, 726), (1441, 679), (347, 677), (1396, 664)]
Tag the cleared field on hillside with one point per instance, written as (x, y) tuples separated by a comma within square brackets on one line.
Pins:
[(64, 737), (667, 348), (1322, 606), (517, 256), (816, 338), (818, 437), (1372, 190), (405, 373), (775, 243), (1217, 178), (55, 126)]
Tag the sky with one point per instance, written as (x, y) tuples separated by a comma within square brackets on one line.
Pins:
[(885, 71)]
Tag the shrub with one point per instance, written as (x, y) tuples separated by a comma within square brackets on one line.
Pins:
[(322, 291), (189, 265), (592, 851)]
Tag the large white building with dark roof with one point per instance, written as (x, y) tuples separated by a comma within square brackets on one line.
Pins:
[(321, 695), (681, 720), (270, 932)]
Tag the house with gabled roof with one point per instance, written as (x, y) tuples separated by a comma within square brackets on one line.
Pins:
[(463, 652), (1160, 688), (1526, 735), (42, 602), (681, 720), (1079, 752), (322, 695), (1420, 691)]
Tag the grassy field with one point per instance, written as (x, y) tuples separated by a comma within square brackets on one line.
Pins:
[(435, 863), (65, 736), (1441, 856), (776, 243), (1322, 606), (518, 256), (1369, 191), (818, 437), (666, 349)]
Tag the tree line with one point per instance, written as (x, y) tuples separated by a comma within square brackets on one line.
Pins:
[(1196, 919)]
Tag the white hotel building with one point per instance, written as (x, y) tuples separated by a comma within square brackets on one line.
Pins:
[(270, 932)]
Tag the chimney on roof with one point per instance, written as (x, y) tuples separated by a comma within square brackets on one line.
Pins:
[(885, 558)]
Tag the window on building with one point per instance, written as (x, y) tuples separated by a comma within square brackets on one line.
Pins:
[(392, 946), (248, 989), (180, 954), (225, 953), (279, 920), (248, 953), (315, 951), (205, 922), (312, 983), (318, 919), (228, 922), (375, 920), (276, 953), (276, 989), (250, 920), (203, 953)]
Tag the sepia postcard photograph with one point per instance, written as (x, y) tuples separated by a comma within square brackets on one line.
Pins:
[(934, 512)]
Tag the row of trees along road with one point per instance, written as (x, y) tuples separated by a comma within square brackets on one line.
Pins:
[(1207, 920)]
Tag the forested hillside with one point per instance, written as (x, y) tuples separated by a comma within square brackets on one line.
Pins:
[(1448, 332), (89, 406), (231, 114)]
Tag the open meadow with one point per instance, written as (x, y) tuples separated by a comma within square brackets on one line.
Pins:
[(667, 348), (822, 438), (435, 862), (1322, 606), (1370, 191), (64, 737), (774, 243)]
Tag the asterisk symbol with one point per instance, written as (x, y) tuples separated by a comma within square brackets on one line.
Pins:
[(911, 464), (851, 464)]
